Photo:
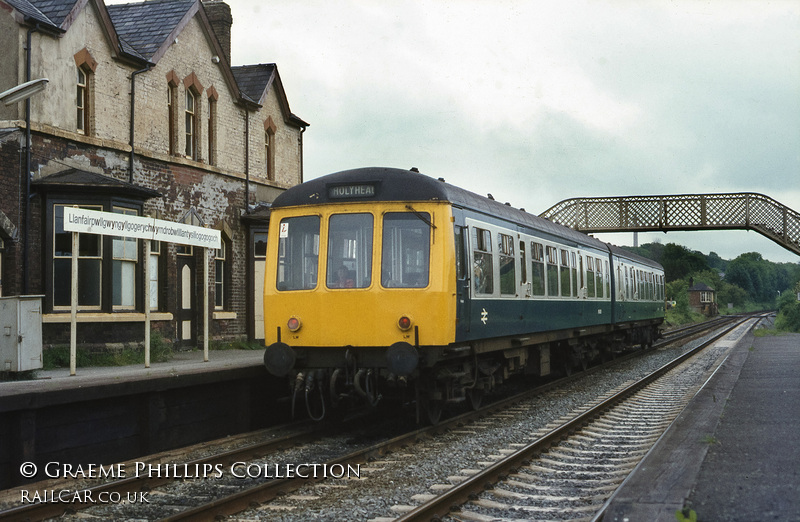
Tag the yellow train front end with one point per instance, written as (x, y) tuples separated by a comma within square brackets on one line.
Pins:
[(356, 294)]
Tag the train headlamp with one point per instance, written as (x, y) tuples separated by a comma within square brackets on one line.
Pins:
[(293, 324), (404, 323)]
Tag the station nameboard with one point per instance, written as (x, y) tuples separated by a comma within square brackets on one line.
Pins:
[(112, 224)]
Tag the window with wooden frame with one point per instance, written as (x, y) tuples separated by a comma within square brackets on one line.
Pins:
[(172, 93), (212, 126), (221, 274), (125, 255), (90, 264), (269, 148), (172, 112), (153, 272), (191, 125), (84, 101)]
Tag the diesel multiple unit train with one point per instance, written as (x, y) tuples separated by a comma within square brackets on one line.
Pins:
[(380, 279)]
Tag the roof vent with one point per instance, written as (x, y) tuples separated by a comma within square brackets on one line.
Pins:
[(414, 169), (441, 179), (490, 196)]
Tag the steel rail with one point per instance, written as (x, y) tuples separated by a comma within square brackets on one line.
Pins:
[(44, 510), (461, 493)]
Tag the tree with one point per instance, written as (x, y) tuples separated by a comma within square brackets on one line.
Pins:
[(679, 262)]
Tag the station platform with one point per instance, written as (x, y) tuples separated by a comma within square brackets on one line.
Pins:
[(734, 453), (104, 415), (183, 364)]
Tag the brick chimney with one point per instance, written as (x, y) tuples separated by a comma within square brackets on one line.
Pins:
[(219, 14)]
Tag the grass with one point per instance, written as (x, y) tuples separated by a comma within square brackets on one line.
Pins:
[(58, 356)]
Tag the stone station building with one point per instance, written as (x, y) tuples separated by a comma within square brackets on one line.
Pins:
[(143, 115)]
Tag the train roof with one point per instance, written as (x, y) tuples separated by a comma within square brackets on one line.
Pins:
[(392, 184)]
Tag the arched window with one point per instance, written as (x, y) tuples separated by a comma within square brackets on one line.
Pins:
[(192, 116), (212, 125), (172, 112), (191, 123), (269, 148), (84, 101)]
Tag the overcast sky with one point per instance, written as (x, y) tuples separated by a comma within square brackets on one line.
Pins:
[(537, 102)]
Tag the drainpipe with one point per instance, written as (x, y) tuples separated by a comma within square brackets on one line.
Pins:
[(302, 175), (133, 112), (26, 248), (246, 161)]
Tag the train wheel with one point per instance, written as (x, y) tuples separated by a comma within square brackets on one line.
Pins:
[(475, 396), (433, 410)]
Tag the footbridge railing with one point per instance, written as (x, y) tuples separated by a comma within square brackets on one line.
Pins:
[(738, 211)]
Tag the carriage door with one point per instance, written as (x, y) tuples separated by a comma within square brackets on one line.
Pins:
[(259, 269), (462, 279), (186, 298), (525, 289)]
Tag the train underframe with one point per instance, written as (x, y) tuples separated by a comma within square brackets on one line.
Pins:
[(326, 380)]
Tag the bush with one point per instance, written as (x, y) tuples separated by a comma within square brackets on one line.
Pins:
[(788, 318)]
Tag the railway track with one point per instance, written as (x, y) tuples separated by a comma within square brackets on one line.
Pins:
[(569, 471), (250, 491)]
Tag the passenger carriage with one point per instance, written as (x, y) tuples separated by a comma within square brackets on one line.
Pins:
[(382, 279)]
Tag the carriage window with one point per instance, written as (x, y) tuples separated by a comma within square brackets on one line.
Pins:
[(565, 274), (523, 263), (590, 291), (508, 278), (482, 271), (537, 271), (298, 253), (552, 271), (627, 284), (349, 251), (406, 250), (608, 280), (599, 277), (574, 276)]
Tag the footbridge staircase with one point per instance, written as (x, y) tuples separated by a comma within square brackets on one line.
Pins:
[(738, 211)]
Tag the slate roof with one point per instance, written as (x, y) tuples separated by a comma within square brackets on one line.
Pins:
[(253, 79), (145, 26), (701, 287), (75, 179), (55, 10), (38, 13)]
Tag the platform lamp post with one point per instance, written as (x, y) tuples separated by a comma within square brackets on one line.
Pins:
[(15, 95)]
